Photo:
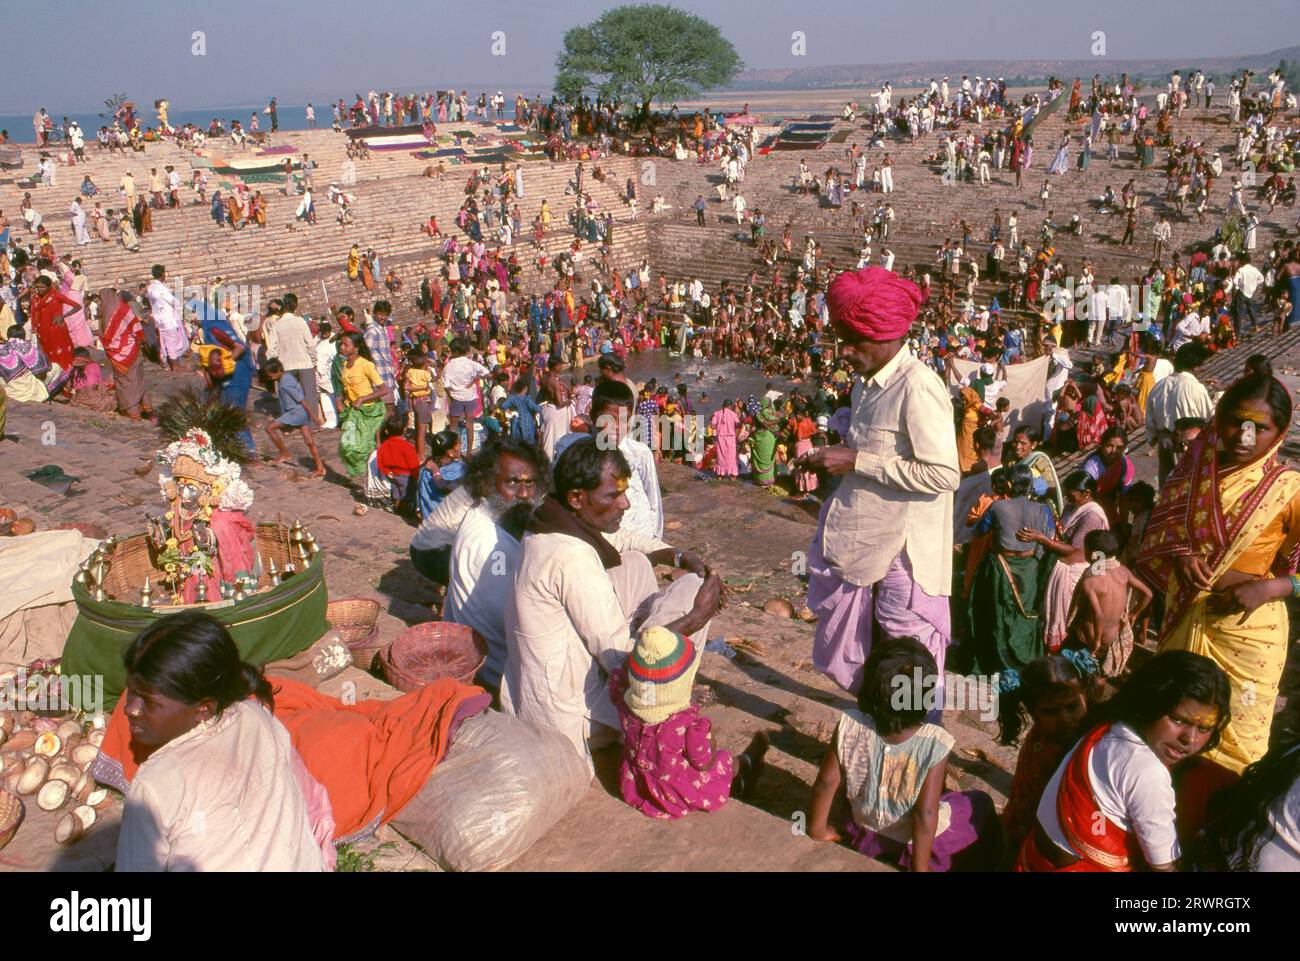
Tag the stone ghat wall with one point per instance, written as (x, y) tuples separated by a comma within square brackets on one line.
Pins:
[(928, 210), (393, 199)]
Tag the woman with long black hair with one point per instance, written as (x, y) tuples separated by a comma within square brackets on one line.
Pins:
[(221, 787), (1110, 806), (1255, 824)]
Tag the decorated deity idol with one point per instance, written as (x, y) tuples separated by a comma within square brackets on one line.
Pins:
[(205, 541)]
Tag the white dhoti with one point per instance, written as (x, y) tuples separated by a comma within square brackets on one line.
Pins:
[(555, 424)]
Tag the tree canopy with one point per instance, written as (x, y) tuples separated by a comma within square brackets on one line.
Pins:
[(643, 53)]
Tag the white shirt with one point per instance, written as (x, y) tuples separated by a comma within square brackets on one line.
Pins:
[(1247, 279), (163, 305), (459, 375), (899, 495), (1281, 852), (294, 345), (1188, 329), (646, 514), (224, 796), (565, 630), (484, 559), (325, 352), (1133, 789), (1177, 396), (439, 529)]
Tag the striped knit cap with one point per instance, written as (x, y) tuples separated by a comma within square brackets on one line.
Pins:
[(660, 672)]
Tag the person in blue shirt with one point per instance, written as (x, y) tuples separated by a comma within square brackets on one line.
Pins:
[(442, 473), (293, 415), (524, 424)]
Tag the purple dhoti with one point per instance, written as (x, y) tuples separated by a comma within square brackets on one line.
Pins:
[(845, 613)]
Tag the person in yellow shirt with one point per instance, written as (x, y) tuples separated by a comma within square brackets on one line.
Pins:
[(417, 386), (364, 392)]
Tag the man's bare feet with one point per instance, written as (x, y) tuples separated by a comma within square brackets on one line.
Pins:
[(282, 459), (319, 472)]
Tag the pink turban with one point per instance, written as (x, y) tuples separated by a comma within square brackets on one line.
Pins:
[(875, 303)]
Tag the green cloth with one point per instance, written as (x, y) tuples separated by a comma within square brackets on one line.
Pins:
[(762, 456), (358, 430), (268, 626), (1001, 636)]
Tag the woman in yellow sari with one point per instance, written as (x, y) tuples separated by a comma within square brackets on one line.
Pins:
[(1222, 546), (354, 263), (970, 422)]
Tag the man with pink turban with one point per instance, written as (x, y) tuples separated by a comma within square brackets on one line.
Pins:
[(883, 548)]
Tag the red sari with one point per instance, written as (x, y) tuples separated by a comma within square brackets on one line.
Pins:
[(1113, 850), (51, 331)]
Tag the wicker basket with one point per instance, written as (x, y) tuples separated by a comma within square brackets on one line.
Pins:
[(11, 816), (426, 652), (133, 559), (356, 620)]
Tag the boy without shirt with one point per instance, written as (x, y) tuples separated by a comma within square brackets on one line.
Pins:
[(1107, 601)]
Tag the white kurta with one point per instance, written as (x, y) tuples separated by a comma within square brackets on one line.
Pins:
[(565, 630), (484, 559), (221, 797)]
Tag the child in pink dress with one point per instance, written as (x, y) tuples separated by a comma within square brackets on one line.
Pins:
[(670, 767)]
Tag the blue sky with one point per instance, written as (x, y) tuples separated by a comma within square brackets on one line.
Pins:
[(324, 49)]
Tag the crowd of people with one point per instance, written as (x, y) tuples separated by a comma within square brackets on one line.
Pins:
[(948, 545)]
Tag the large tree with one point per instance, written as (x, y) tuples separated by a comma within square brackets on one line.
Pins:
[(643, 53)]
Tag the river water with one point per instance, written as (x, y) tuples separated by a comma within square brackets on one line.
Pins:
[(737, 380)]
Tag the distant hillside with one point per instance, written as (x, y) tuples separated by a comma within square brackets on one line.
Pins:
[(1018, 71)]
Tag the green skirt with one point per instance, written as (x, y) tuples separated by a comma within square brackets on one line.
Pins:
[(1006, 628), (358, 433)]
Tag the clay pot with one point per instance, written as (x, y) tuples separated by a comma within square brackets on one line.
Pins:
[(7, 518), (22, 526)]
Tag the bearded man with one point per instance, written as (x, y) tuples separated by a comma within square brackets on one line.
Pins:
[(507, 480)]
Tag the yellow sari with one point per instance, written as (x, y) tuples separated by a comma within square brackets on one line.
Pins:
[(1248, 520), (354, 264)]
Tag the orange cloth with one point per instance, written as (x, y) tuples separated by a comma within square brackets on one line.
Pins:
[(371, 757)]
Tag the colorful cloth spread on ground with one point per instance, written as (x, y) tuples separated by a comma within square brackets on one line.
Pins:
[(371, 757), (20, 356)]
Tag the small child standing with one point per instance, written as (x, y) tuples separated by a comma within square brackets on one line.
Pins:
[(888, 763), (293, 415), (397, 463), (1054, 693), (417, 388), (1107, 601), (1283, 312), (670, 767)]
